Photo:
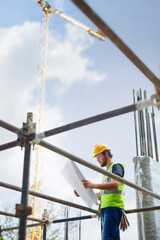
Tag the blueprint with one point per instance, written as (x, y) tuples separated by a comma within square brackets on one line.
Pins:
[(74, 176)]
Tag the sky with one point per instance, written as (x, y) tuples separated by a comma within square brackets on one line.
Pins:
[(83, 77)]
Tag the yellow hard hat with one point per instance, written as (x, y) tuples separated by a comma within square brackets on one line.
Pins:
[(98, 148)]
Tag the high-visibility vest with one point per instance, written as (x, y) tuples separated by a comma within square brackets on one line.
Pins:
[(112, 198)]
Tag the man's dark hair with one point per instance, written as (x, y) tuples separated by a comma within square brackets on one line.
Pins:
[(109, 153)]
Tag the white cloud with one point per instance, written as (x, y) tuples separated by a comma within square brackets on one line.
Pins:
[(67, 62), (18, 60)]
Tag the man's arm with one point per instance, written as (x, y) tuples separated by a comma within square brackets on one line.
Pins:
[(102, 186)]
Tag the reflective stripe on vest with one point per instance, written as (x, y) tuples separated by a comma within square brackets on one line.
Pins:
[(112, 191)]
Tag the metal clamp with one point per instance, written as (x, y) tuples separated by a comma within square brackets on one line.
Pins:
[(22, 210), (45, 218), (27, 133), (147, 103)]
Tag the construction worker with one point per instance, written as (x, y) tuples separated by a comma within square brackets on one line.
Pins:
[(111, 193)]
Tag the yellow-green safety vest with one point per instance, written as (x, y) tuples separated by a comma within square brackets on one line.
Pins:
[(112, 198)]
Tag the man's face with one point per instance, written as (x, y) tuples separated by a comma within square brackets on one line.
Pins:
[(101, 159)]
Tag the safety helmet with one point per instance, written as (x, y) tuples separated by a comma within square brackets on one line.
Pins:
[(98, 148)]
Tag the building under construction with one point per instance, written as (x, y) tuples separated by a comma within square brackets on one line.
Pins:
[(146, 162)]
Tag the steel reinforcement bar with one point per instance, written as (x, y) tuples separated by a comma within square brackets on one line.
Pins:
[(108, 32), (97, 169)]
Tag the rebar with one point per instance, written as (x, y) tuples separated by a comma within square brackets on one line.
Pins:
[(148, 127), (154, 134), (141, 127), (108, 32), (135, 125)]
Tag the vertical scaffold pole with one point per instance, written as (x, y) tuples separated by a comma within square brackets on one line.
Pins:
[(79, 227), (66, 225), (25, 190), (45, 219), (24, 210), (44, 231)]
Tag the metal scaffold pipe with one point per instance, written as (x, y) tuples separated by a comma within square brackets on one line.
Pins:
[(50, 198), (108, 32), (9, 127), (17, 227), (8, 145), (97, 118), (103, 116), (138, 210), (23, 210), (25, 187), (15, 216), (97, 169), (88, 121), (53, 199), (73, 219), (51, 222)]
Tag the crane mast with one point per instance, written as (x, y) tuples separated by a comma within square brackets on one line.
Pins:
[(36, 181)]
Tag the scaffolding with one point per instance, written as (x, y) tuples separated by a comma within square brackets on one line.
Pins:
[(27, 136)]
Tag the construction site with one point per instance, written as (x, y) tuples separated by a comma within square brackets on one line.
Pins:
[(76, 73)]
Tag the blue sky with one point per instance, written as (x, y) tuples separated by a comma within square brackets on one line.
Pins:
[(84, 77)]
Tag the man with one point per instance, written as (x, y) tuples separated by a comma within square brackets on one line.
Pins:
[(111, 193)]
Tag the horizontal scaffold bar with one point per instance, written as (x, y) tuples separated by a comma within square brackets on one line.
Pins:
[(17, 227), (9, 127), (108, 32), (54, 221), (138, 210), (15, 216), (50, 198), (8, 145), (97, 169), (130, 108), (73, 219), (88, 121)]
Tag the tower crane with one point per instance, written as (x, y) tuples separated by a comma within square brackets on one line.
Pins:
[(35, 233)]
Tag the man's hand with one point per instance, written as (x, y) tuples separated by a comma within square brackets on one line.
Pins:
[(88, 184), (76, 194)]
